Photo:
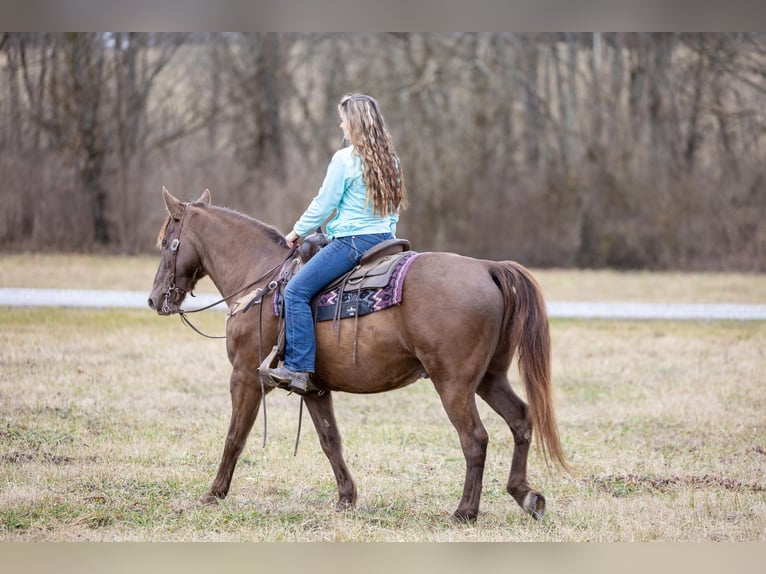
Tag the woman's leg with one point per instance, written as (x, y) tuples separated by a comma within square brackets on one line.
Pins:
[(330, 262), (338, 257)]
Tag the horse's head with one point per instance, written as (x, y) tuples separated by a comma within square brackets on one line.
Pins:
[(180, 264)]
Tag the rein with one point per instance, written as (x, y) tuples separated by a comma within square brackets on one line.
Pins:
[(272, 286)]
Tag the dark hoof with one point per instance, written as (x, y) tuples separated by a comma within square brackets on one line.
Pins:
[(534, 504), (208, 499), (464, 517)]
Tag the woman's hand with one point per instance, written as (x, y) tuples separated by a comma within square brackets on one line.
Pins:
[(291, 238)]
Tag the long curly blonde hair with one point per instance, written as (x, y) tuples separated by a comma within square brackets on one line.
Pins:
[(383, 174)]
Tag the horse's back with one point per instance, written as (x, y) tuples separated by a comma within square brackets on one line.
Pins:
[(451, 276), (449, 319)]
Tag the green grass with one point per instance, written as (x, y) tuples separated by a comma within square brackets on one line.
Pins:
[(113, 425)]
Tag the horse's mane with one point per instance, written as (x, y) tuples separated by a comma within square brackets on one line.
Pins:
[(270, 232)]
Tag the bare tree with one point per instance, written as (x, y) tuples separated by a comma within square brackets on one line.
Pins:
[(252, 62), (138, 59), (84, 90), (614, 149)]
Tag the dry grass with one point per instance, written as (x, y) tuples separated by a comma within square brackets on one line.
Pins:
[(113, 424)]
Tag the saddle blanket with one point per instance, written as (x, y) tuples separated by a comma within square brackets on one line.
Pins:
[(359, 302)]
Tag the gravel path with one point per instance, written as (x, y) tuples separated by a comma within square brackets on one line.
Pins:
[(579, 310)]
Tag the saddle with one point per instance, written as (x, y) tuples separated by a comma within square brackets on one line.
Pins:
[(375, 269)]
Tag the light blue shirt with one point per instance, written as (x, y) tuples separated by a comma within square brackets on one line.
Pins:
[(345, 192)]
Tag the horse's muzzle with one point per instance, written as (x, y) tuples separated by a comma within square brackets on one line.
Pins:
[(161, 305), (153, 305)]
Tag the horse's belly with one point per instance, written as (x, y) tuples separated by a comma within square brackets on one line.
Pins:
[(366, 357)]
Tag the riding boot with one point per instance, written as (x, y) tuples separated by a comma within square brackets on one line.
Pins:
[(295, 381)]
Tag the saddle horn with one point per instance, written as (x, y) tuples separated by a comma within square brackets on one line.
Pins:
[(312, 244)]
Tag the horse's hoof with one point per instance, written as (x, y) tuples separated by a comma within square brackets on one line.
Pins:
[(208, 499), (345, 504), (534, 504), (461, 517)]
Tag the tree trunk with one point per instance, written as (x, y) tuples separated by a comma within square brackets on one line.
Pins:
[(533, 124), (85, 60)]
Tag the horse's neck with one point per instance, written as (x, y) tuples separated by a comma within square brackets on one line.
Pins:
[(237, 253)]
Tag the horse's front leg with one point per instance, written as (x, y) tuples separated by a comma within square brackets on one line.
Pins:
[(245, 403), (323, 415)]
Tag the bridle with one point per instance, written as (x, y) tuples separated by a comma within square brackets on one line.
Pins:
[(172, 288)]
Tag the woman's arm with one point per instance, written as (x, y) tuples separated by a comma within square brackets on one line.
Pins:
[(326, 201)]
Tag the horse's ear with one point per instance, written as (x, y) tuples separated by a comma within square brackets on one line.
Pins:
[(173, 205), (205, 197)]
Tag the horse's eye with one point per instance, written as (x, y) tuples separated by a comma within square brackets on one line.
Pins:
[(164, 243)]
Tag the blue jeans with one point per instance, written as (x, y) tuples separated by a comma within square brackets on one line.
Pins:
[(340, 256)]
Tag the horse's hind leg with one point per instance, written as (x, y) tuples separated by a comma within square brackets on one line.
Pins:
[(323, 415), (461, 410), (496, 390), (245, 403)]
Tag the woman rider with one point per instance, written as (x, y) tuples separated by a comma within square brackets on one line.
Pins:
[(364, 185)]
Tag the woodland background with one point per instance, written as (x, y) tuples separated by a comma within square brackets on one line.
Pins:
[(622, 150)]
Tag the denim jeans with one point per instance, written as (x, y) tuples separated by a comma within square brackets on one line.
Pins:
[(338, 257)]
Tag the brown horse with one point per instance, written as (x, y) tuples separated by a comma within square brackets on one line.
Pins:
[(461, 322)]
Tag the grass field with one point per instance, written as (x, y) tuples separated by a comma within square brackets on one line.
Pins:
[(113, 424)]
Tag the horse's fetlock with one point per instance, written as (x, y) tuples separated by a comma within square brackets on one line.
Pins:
[(518, 489)]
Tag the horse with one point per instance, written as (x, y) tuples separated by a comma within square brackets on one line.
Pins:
[(460, 323)]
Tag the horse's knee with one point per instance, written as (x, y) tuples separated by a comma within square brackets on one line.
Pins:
[(329, 441), (521, 426), (234, 445), (482, 440)]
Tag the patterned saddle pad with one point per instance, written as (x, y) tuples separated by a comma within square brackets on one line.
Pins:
[(356, 302)]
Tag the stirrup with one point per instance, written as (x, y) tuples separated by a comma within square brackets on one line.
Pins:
[(309, 389), (270, 362)]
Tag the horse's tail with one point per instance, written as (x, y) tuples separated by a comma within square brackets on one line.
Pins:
[(526, 329)]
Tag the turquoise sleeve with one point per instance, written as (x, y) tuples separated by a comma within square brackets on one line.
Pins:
[(326, 201)]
